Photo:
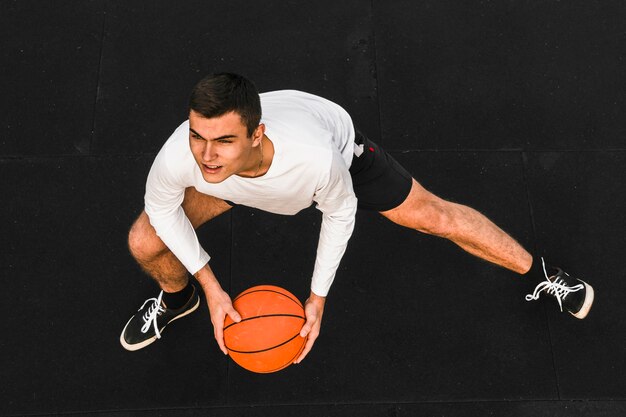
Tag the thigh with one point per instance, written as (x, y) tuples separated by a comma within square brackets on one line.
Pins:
[(200, 208), (423, 211)]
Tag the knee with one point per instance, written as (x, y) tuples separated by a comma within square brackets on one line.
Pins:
[(143, 242), (425, 212)]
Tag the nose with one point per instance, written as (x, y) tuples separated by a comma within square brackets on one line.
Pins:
[(209, 153)]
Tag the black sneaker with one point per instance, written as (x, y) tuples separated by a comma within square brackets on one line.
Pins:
[(572, 293), (147, 324)]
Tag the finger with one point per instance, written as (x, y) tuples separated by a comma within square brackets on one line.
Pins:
[(219, 336), (233, 314), (306, 329), (307, 348), (310, 321)]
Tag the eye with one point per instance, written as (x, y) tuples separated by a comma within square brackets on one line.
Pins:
[(225, 141)]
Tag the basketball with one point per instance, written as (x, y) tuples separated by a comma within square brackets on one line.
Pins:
[(267, 339)]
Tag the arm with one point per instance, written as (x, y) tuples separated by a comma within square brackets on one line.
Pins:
[(164, 196), (165, 192), (337, 202), (219, 304)]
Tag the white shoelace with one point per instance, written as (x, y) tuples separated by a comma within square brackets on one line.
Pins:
[(556, 288), (150, 316)]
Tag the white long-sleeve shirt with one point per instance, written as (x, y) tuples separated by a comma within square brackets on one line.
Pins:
[(313, 142)]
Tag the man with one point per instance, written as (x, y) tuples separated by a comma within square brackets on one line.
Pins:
[(281, 152)]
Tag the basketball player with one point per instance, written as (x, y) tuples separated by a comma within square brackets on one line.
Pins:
[(281, 152)]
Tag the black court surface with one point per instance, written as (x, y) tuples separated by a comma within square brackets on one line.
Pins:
[(514, 108)]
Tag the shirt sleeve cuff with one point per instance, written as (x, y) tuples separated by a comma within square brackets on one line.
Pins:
[(202, 261)]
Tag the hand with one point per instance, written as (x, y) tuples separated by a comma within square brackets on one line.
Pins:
[(219, 304), (313, 310)]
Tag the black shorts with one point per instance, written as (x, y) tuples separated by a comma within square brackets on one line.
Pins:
[(380, 182)]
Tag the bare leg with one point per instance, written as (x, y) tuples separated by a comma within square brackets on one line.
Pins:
[(462, 225), (151, 253)]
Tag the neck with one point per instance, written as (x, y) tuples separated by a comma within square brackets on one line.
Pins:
[(261, 158)]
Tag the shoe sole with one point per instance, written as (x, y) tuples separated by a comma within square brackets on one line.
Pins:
[(589, 296), (146, 342)]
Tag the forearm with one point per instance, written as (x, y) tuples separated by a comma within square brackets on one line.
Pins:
[(207, 279), (177, 233), (335, 233)]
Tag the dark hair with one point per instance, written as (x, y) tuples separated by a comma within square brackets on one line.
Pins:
[(218, 94)]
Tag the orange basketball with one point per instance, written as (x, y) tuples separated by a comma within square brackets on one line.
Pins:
[(267, 339)]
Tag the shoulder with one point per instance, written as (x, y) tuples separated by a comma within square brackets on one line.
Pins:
[(282, 96), (178, 142), (175, 155), (286, 93)]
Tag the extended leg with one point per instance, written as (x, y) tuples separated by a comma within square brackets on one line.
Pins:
[(463, 225)]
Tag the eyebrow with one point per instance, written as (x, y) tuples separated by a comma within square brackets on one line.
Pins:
[(218, 138)]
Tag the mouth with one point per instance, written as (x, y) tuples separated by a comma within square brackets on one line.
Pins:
[(211, 169)]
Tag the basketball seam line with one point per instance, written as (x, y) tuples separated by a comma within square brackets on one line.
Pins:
[(289, 362), (264, 350), (263, 316), (276, 292)]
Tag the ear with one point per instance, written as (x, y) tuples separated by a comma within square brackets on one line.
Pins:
[(258, 134)]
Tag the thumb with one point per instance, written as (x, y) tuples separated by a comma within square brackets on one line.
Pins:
[(308, 325), (305, 330), (232, 313)]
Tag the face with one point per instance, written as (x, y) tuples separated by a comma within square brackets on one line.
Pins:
[(221, 146)]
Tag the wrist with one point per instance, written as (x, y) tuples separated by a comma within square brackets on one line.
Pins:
[(207, 279), (317, 299)]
